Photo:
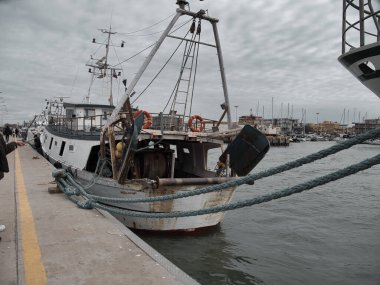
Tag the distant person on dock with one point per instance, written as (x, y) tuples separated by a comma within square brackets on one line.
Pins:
[(7, 132), (17, 132), (6, 148)]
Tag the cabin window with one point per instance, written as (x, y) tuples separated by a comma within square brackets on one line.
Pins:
[(71, 147), (212, 158), (51, 142), (105, 115), (186, 150), (55, 143), (90, 112), (62, 148), (69, 113)]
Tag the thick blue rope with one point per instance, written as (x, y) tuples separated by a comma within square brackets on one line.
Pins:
[(250, 202), (240, 181), (71, 188)]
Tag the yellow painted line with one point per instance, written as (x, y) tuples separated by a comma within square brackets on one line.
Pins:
[(34, 270)]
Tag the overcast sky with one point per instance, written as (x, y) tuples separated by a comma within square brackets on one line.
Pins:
[(283, 49)]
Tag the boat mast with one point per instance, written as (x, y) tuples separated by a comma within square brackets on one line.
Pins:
[(109, 32), (149, 58), (222, 73), (102, 65), (180, 11)]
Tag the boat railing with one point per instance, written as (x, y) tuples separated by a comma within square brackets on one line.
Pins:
[(360, 25), (85, 126), (92, 125), (175, 122)]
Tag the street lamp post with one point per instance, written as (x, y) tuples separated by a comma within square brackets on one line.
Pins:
[(318, 123), (236, 116)]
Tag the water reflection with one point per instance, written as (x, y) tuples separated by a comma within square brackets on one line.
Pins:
[(325, 236), (217, 256)]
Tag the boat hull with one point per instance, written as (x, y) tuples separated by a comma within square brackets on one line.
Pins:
[(140, 189)]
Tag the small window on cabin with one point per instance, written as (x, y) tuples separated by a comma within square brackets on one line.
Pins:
[(186, 150), (71, 147), (55, 143), (62, 148), (69, 113), (90, 112), (105, 115), (212, 158), (51, 142)]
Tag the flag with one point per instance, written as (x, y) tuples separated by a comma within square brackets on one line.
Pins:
[(114, 74)]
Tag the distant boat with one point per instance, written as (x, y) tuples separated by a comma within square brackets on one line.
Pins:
[(372, 142), (148, 155)]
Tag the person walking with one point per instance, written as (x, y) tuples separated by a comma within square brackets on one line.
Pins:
[(7, 132), (6, 148)]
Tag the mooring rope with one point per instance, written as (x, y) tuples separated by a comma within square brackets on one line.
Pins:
[(71, 187), (249, 202), (240, 181)]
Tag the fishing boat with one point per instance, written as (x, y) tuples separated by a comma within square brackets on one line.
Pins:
[(372, 142), (127, 152), (34, 131)]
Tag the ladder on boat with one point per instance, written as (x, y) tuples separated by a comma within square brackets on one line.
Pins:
[(183, 87)]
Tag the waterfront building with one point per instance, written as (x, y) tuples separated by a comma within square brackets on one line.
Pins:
[(367, 125), (327, 127)]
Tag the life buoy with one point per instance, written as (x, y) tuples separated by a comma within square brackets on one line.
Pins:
[(201, 124), (147, 118)]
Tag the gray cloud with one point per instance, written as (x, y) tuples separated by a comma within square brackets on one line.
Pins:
[(284, 49)]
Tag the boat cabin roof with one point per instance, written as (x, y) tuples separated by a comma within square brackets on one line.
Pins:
[(88, 106)]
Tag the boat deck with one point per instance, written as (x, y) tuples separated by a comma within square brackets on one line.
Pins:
[(49, 240)]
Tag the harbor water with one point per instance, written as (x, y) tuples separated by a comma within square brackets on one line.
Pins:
[(327, 235)]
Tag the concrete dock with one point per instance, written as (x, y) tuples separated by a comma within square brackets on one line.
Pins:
[(48, 240)]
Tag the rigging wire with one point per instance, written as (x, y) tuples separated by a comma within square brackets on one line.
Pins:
[(146, 35), (77, 71), (135, 55), (118, 79), (195, 72), (181, 25), (162, 68), (179, 79), (171, 95), (146, 28), (177, 83), (183, 68), (93, 53)]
